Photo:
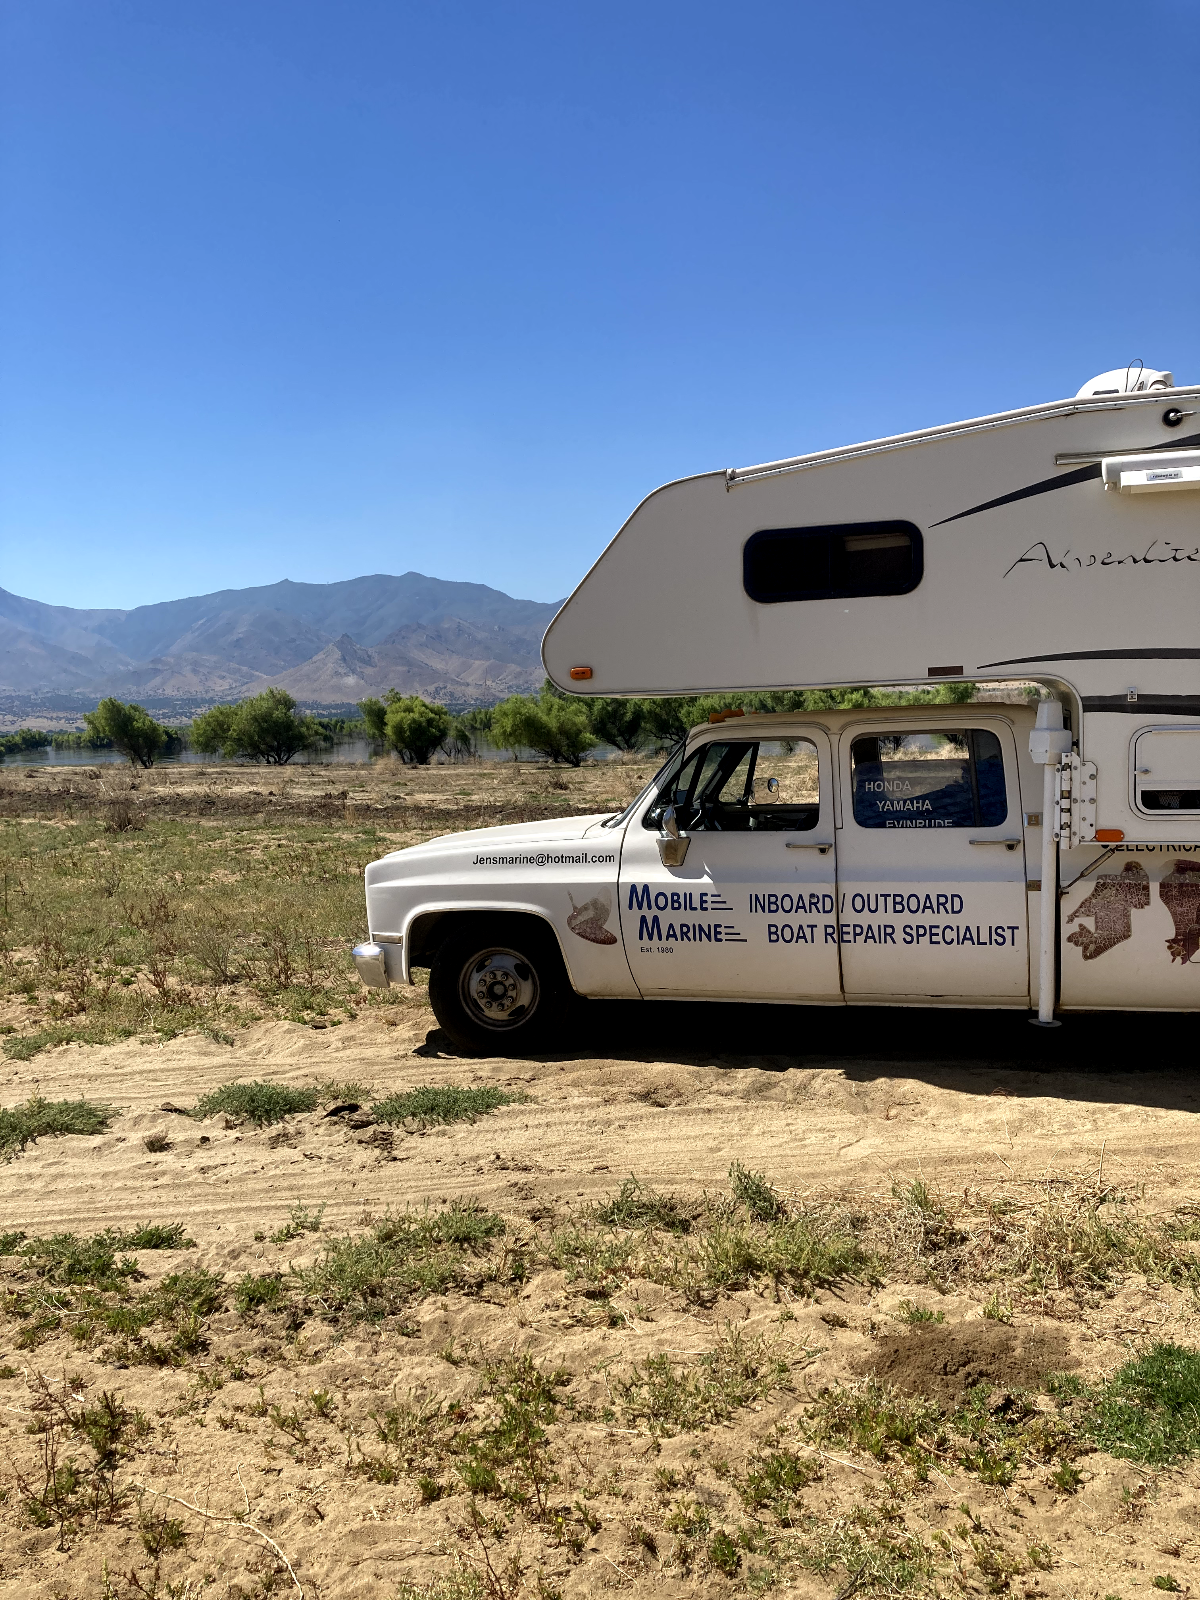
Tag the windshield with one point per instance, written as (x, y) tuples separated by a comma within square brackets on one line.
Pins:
[(668, 770)]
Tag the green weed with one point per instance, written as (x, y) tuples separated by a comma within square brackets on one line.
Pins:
[(774, 1483), (439, 1104), (300, 1220), (915, 1315), (405, 1256), (755, 1193), (872, 1417), (256, 1293), (723, 1554), (257, 1102), (1150, 1409), (635, 1205), (38, 1118), (672, 1398)]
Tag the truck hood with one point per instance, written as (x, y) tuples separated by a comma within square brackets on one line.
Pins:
[(555, 830)]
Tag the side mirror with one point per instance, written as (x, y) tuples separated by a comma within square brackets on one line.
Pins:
[(672, 845), (772, 785)]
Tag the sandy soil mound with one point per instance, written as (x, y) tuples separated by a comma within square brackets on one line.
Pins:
[(944, 1363)]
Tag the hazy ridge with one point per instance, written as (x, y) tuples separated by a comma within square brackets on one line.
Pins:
[(327, 643)]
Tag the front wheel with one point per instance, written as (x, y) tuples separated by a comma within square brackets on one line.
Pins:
[(497, 986)]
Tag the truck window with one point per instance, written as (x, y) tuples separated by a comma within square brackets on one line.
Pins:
[(832, 562), (743, 786), (928, 780)]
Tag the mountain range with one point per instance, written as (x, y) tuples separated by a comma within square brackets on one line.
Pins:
[(326, 643)]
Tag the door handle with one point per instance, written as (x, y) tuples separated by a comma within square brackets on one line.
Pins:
[(815, 845), (1009, 844)]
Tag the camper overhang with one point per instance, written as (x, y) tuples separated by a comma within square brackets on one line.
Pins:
[(983, 550)]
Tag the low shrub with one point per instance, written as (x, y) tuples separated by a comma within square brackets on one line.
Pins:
[(437, 1105)]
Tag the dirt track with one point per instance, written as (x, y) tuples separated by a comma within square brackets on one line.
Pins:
[(668, 1110)]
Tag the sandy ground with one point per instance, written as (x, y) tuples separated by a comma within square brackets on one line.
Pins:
[(827, 1102)]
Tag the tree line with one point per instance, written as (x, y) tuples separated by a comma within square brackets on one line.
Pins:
[(270, 728)]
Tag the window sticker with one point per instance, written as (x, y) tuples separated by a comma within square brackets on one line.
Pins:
[(928, 780)]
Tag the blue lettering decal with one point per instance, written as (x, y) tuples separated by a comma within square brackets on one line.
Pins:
[(772, 933), (956, 905), (830, 933), (649, 928), (661, 901), (933, 934), (889, 933), (670, 936), (676, 901), (703, 933), (857, 903), (685, 933), (965, 936), (943, 905), (639, 899)]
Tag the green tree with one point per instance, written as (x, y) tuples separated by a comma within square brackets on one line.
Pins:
[(414, 727), (375, 716), (266, 727), (617, 722), (549, 723), (130, 729)]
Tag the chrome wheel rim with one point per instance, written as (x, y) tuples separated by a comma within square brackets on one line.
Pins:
[(499, 989)]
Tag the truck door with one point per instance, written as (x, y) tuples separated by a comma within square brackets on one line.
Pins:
[(750, 913), (931, 864)]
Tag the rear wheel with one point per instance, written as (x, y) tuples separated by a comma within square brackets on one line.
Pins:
[(497, 986)]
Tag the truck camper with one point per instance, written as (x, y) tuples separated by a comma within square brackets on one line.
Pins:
[(1032, 850)]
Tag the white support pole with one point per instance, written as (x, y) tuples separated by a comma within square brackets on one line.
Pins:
[(1048, 743), (1047, 964)]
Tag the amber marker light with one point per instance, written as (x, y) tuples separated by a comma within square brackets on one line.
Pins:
[(580, 673), (1109, 835)]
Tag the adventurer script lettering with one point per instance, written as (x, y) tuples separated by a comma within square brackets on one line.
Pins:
[(1159, 553)]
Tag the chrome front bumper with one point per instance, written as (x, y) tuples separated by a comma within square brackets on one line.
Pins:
[(380, 964)]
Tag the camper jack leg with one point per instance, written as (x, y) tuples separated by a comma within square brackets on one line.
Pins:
[(1049, 921), (1048, 743)]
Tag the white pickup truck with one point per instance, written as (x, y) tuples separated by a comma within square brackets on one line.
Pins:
[(877, 858), (868, 857)]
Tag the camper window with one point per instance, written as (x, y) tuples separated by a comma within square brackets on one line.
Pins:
[(928, 780), (743, 786), (832, 562), (1166, 765)]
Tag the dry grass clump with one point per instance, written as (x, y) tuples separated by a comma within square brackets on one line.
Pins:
[(724, 1242), (671, 1397), (1050, 1236)]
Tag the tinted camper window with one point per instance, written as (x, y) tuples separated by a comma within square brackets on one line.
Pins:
[(832, 562)]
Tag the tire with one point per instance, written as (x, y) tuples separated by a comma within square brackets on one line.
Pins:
[(497, 986)]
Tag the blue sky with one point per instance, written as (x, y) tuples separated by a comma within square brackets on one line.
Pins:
[(313, 288)]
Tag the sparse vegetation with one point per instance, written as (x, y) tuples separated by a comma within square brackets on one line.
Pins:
[(256, 1102), (39, 1118), (437, 1105)]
